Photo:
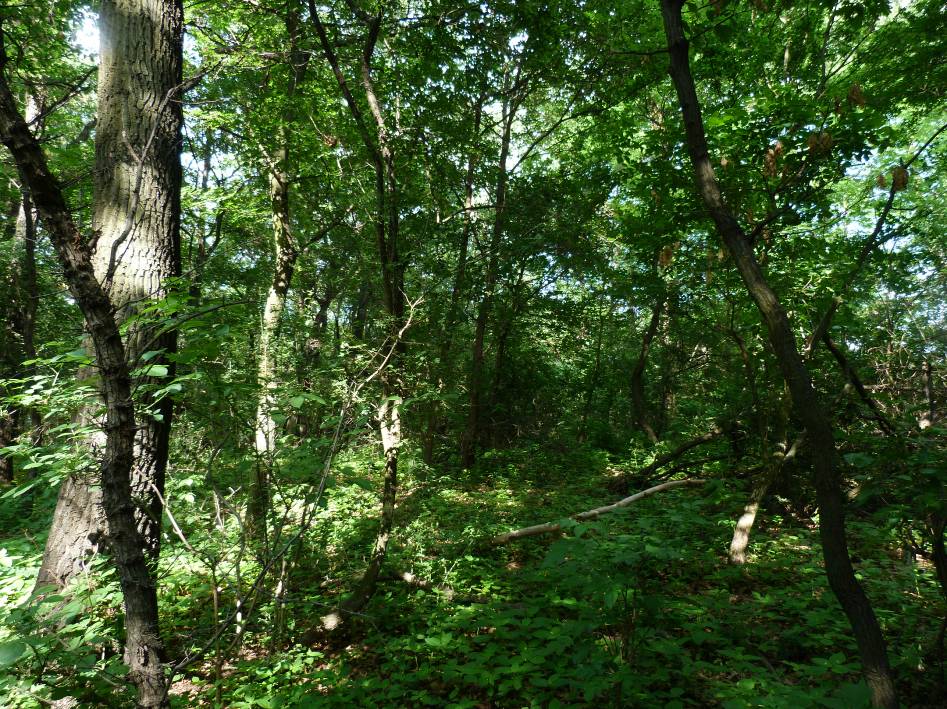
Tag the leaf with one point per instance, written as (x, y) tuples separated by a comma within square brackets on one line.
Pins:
[(858, 460), (556, 554), (297, 401), (153, 370), (854, 695), (11, 651)]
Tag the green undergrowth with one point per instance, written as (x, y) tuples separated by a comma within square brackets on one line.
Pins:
[(638, 609)]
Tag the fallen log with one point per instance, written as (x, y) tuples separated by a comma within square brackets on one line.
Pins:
[(551, 527)]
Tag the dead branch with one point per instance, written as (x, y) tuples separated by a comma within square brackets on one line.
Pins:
[(551, 527)]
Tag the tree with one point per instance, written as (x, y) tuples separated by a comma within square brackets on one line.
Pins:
[(838, 564), (143, 646), (136, 223)]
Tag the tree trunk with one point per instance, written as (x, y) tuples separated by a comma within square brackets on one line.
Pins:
[(265, 439), (143, 647), (808, 408), (136, 222), (27, 291), (460, 278), (21, 312), (286, 253), (592, 380), (638, 403), (387, 226), (930, 416), (471, 435), (502, 338), (744, 525), (8, 435)]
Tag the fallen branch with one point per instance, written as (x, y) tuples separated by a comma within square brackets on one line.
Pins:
[(551, 527)]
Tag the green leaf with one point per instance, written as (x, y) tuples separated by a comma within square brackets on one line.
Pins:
[(153, 370), (858, 460), (11, 651)]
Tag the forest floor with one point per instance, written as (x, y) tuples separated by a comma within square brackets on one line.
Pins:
[(638, 609)]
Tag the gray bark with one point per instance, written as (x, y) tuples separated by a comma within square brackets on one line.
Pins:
[(143, 646), (136, 227)]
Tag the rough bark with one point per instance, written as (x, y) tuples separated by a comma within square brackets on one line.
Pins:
[(136, 225), (809, 409), (143, 647)]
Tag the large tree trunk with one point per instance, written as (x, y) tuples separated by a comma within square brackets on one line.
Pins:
[(143, 647), (136, 222), (808, 407)]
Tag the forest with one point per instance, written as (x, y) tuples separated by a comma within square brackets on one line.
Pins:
[(473, 354)]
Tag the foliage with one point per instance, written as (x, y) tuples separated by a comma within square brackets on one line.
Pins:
[(594, 282)]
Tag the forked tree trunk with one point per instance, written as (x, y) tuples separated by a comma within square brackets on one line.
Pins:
[(143, 646), (809, 409), (136, 221)]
